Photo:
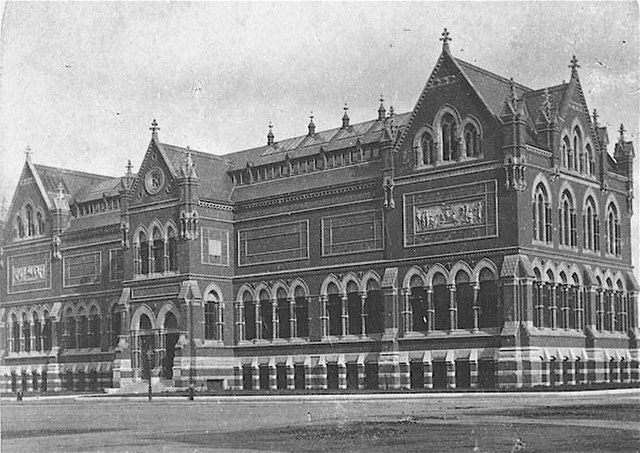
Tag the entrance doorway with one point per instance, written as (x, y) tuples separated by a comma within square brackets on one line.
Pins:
[(171, 338)]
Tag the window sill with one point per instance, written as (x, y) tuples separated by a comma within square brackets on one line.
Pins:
[(542, 243), (155, 275)]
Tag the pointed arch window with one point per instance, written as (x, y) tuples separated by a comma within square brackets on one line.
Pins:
[(427, 148), (576, 162), (542, 226), (158, 250), (31, 229), (213, 323), (40, 221), (143, 253), (472, 140), (613, 231), (567, 215), (589, 161), (19, 229), (172, 249), (566, 152), (591, 226), (449, 140)]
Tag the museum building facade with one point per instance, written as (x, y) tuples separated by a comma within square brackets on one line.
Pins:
[(480, 240)]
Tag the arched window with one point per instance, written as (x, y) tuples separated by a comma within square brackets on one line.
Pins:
[(158, 250), (40, 220), (31, 230), (302, 312), (82, 329), (613, 230), (542, 227), (266, 315), (143, 253), (471, 140), (212, 316), (418, 302), (116, 326), (71, 340), (441, 302), (47, 332), (172, 248), (373, 308), (94, 328), (26, 332), (19, 230), (490, 315), (577, 163), (334, 309), (567, 214), (37, 331), (464, 301), (15, 326), (538, 302), (566, 150), (449, 140), (282, 313), (427, 148), (249, 311), (591, 226), (589, 161)]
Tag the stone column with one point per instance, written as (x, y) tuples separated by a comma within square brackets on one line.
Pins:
[(553, 306), (32, 336), (152, 260), (258, 321), (612, 310), (345, 315), (453, 308), (240, 321), (137, 262), (431, 318), (324, 318), (406, 310), (476, 308), (165, 254), (293, 328), (565, 307), (274, 319), (363, 313), (220, 321)]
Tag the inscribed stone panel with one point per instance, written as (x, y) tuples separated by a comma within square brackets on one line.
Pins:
[(274, 243)]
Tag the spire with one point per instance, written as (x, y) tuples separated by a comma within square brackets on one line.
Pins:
[(345, 117), (445, 38), (595, 118), (622, 131), (270, 136), (382, 112), (27, 153), (154, 129), (574, 66), (312, 126)]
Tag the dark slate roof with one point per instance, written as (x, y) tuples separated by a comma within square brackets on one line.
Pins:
[(214, 183), (106, 188), (493, 88), (533, 99), (94, 221), (73, 181), (305, 145)]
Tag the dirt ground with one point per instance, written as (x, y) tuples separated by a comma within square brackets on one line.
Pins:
[(602, 421)]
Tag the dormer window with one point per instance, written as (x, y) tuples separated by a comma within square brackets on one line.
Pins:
[(428, 154), (19, 230), (471, 141), (31, 229), (449, 140)]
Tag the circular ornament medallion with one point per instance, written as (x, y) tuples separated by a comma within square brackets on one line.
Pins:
[(154, 180)]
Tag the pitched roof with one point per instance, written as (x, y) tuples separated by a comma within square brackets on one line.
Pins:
[(74, 182), (493, 88), (304, 145)]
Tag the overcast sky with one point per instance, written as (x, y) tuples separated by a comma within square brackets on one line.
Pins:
[(81, 82)]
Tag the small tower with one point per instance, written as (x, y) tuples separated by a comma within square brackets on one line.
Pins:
[(382, 112), (270, 136), (345, 117), (312, 126)]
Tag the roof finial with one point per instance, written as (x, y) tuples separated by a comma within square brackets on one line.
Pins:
[(382, 112), (129, 168), (546, 101), (312, 126), (445, 38), (512, 91), (595, 117), (622, 131), (270, 136), (154, 129), (27, 153), (60, 195), (574, 65), (345, 117), (391, 112)]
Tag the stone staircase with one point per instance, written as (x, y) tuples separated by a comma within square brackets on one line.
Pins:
[(142, 387)]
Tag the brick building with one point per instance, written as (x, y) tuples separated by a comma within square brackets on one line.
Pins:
[(480, 240)]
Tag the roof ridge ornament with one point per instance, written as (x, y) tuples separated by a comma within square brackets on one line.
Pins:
[(27, 153), (445, 38), (270, 136), (595, 118), (382, 112), (345, 117), (622, 130), (312, 126), (574, 65), (513, 97), (154, 129), (188, 166), (546, 102), (60, 194)]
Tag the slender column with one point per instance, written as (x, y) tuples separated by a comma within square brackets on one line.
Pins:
[(152, 260), (258, 321), (580, 308), (32, 336), (293, 328), (612, 310), (453, 308), (406, 310), (565, 306), (476, 308), (137, 262), (165, 253), (363, 313), (553, 306), (220, 321), (430, 310), (345, 315), (325, 317), (240, 321), (274, 319)]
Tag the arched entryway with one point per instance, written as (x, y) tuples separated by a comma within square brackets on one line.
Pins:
[(171, 335), (146, 340)]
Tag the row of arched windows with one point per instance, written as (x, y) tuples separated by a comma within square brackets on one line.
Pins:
[(562, 305), (577, 156), (29, 223), (157, 253), (83, 329), (568, 224), (450, 139), (30, 334)]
